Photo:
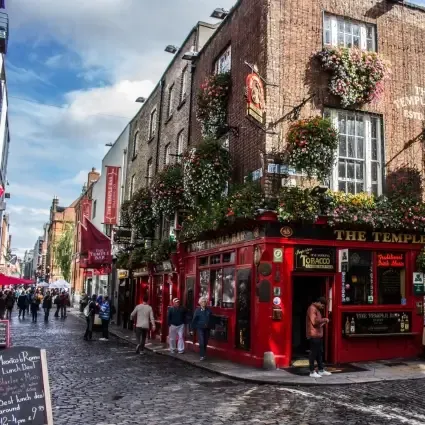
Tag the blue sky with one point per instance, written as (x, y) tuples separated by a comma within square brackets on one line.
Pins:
[(74, 70)]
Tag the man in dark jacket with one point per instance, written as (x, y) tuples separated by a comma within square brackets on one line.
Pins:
[(202, 321), (23, 304), (176, 320)]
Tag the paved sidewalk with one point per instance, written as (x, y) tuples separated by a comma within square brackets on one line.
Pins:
[(375, 371)]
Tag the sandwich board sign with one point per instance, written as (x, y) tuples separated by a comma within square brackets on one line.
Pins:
[(24, 387)]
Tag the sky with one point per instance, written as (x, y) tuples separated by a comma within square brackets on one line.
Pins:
[(74, 70)]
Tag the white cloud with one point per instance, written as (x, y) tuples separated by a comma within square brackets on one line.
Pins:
[(34, 212)]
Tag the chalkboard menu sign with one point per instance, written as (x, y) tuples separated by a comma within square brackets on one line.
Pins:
[(376, 323), (4, 334), (24, 387), (314, 259), (220, 329)]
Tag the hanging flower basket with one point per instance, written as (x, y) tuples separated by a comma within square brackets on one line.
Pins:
[(311, 146), (296, 204), (167, 191), (357, 76), (213, 98), (206, 172), (140, 213)]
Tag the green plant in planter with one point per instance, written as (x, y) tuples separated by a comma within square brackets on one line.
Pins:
[(356, 76), (161, 251), (213, 98), (206, 171), (311, 146), (420, 261), (296, 204), (245, 201), (167, 191), (140, 213)]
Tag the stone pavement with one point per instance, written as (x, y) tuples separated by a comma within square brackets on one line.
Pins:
[(106, 383), (375, 371)]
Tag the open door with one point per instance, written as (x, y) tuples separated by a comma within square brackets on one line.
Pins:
[(329, 329)]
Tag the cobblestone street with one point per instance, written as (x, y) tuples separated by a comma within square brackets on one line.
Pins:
[(105, 383)]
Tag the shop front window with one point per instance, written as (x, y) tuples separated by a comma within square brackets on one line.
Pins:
[(357, 282), (391, 278), (204, 280)]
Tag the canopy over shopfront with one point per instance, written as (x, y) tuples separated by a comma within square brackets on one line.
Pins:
[(9, 280)]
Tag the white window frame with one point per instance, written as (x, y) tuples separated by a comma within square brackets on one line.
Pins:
[(180, 146), (184, 81), (170, 108), (224, 63), (152, 122), (150, 171), (136, 143), (167, 154), (331, 25), (332, 114)]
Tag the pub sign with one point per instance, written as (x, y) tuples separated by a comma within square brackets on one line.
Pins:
[(314, 259)]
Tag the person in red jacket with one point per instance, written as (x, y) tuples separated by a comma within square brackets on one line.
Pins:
[(314, 330)]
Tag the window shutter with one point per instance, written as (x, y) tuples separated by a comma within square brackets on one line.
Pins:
[(363, 38)]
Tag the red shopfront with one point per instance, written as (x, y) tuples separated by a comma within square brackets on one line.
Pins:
[(260, 284)]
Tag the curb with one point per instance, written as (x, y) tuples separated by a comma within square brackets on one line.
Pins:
[(257, 381)]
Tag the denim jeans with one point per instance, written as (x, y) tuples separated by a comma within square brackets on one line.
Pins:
[(105, 331), (141, 334), (203, 335), (316, 353)]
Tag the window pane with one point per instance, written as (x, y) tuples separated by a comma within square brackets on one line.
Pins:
[(351, 148), (374, 149), (374, 167), (375, 189), (356, 42), (391, 283), (373, 125), (357, 288), (341, 169), (229, 287), (327, 36), (229, 257), (359, 126), (359, 187), (340, 38), (360, 150), (342, 124), (341, 186), (351, 187), (203, 261), (348, 27), (204, 279), (351, 121), (369, 44), (356, 30), (359, 171), (342, 146), (348, 40), (215, 259), (350, 169), (216, 287)]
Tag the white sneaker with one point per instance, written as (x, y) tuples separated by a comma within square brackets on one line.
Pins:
[(325, 373), (315, 375)]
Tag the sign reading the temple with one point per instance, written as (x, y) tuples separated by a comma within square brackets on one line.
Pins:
[(314, 259), (412, 105), (362, 236), (255, 97)]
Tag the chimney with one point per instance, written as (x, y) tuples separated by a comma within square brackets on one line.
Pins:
[(55, 203), (93, 176)]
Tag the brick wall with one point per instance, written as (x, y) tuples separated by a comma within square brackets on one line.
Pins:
[(245, 31)]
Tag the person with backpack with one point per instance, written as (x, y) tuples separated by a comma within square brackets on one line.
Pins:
[(47, 306), (105, 316), (89, 312), (34, 306)]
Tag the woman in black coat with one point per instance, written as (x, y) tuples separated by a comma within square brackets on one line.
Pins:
[(47, 305)]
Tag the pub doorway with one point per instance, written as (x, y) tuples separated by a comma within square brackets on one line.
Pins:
[(306, 289)]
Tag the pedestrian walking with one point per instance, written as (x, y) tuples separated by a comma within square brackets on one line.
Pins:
[(202, 321), (105, 316), (47, 306), (176, 319), (2, 305), (29, 301), (22, 304), (144, 317), (10, 302), (63, 304), (89, 312), (57, 303), (84, 300), (34, 306), (314, 330)]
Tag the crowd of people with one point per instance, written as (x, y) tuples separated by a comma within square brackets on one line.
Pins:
[(31, 301)]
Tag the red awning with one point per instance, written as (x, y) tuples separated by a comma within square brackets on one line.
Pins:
[(95, 246), (9, 280)]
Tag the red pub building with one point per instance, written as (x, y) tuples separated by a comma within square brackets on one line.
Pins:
[(260, 278)]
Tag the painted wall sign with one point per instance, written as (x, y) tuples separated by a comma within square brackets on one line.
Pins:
[(4, 334), (390, 260), (412, 105), (386, 237), (314, 259), (418, 283), (111, 195), (255, 97)]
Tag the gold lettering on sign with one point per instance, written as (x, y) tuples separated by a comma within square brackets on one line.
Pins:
[(385, 237), (362, 237)]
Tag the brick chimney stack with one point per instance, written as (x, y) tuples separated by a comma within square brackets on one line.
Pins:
[(93, 177), (55, 203)]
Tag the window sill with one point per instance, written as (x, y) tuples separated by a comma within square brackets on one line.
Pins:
[(170, 117), (182, 103)]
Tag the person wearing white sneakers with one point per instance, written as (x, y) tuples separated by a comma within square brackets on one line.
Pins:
[(315, 323)]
